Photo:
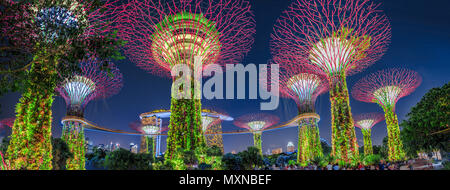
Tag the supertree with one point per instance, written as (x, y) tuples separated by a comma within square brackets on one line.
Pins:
[(365, 122), (256, 123), (167, 33), (212, 125), (89, 84), (150, 128), (57, 33), (8, 122), (303, 85), (385, 88), (338, 38)]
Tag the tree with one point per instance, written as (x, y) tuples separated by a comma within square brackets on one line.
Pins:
[(326, 149), (60, 154), (120, 159), (232, 162), (251, 158), (424, 123), (97, 157)]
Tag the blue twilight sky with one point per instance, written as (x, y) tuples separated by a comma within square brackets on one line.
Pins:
[(420, 41)]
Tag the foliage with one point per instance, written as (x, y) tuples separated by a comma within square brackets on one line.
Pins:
[(251, 158), (97, 157), (429, 116), (325, 148), (61, 153), (122, 159), (232, 162), (214, 151), (371, 159)]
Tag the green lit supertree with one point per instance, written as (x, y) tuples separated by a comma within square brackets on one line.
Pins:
[(164, 34), (57, 34), (303, 85), (256, 123), (91, 83), (212, 127), (150, 128), (385, 88), (338, 38), (365, 122)]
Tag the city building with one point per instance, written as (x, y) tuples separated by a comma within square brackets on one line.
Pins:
[(133, 148), (290, 147), (277, 151)]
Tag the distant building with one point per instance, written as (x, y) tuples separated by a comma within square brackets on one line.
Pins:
[(290, 147), (277, 151), (89, 146), (117, 146), (133, 148), (233, 152)]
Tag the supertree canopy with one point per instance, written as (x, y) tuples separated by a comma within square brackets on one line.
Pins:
[(365, 122), (338, 38), (8, 122), (57, 33), (385, 88), (78, 90), (165, 33), (256, 123), (303, 85)]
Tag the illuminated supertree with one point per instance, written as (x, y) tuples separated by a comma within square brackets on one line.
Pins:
[(365, 122), (385, 88), (212, 125), (89, 84), (166, 33), (56, 33), (338, 38), (8, 122), (256, 123), (303, 85), (150, 127)]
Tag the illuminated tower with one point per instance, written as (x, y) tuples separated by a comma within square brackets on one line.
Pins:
[(78, 90), (212, 127), (53, 32), (338, 38), (365, 122), (151, 128), (385, 88), (256, 123), (304, 86), (171, 35)]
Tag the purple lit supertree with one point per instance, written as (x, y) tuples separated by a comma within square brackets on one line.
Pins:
[(303, 85), (150, 128), (338, 38), (365, 122), (385, 88), (8, 122), (56, 33), (163, 34), (256, 123), (89, 84)]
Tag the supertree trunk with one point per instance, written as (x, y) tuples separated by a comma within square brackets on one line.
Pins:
[(303, 153), (150, 143), (367, 135), (309, 145), (73, 135), (315, 142), (185, 127), (257, 141), (396, 152), (30, 146), (343, 137), (214, 140)]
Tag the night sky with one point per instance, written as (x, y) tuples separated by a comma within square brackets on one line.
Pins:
[(420, 41)]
